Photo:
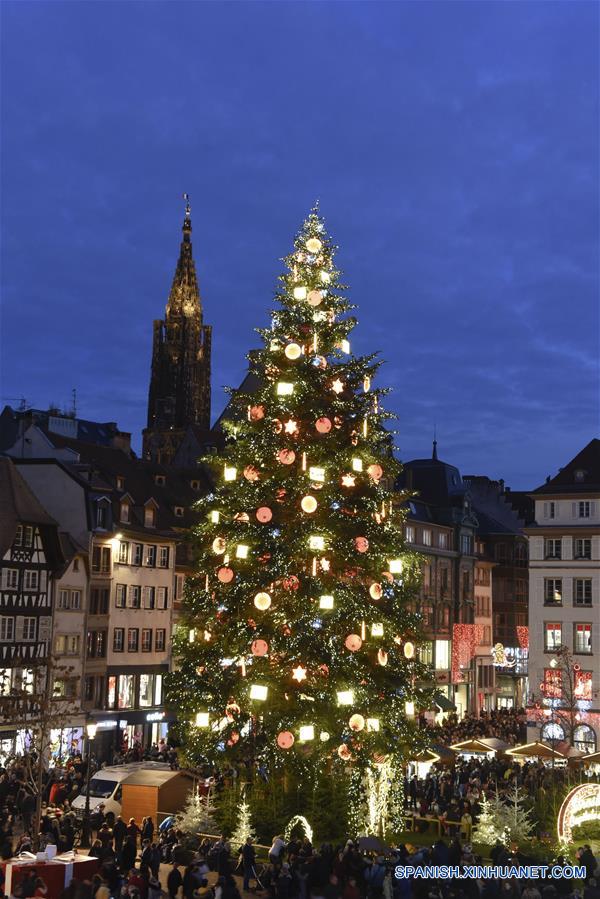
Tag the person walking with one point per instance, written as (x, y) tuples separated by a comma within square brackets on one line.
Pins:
[(174, 881), (248, 862)]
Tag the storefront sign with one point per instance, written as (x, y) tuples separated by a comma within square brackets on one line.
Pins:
[(581, 805), (500, 659), (109, 724), (155, 716)]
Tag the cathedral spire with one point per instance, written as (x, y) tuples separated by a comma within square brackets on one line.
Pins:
[(184, 298), (434, 453)]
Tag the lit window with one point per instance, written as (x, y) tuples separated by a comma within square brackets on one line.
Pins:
[(443, 540), (553, 591), (124, 512), (163, 557), (552, 732), (553, 635), (146, 690), (442, 655), (150, 556), (179, 511), (123, 552), (583, 508), (120, 596), (410, 534), (552, 683), (426, 538), (583, 638), (553, 548), (126, 691), (584, 738), (583, 685), (150, 517)]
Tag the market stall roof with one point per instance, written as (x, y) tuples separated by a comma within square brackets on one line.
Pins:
[(483, 744), (443, 703), (592, 759), (569, 751), (426, 755), (535, 750)]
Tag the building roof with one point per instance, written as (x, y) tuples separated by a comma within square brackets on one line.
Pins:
[(580, 475), (19, 505), (13, 422)]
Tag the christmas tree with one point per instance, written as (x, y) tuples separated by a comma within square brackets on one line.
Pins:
[(491, 825), (197, 815), (243, 828), (518, 822), (299, 645)]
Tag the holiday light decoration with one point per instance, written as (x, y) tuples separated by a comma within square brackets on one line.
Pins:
[(202, 719), (313, 245), (307, 733), (409, 650), (319, 523), (229, 473)]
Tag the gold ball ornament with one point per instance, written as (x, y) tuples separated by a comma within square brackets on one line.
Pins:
[(353, 642), (308, 504), (314, 298), (313, 245), (264, 514), (219, 545), (382, 657), (409, 650), (375, 591), (375, 472), (262, 601), (286, 456), (225, 574), (356, 723), (293, 351), (344, 753)]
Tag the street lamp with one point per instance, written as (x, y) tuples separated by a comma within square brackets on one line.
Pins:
[(90, 727)]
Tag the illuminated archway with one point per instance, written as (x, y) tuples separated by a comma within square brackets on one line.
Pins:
[(581, 804), (298, 819), (584, 738)]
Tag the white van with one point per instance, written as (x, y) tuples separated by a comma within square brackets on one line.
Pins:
[(106, 787)]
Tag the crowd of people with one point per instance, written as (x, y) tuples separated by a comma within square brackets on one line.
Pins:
[(508, 725)]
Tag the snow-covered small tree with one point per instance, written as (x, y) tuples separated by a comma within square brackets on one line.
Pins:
[(492, 824), (197, 815), (243, 828), (518, 822)]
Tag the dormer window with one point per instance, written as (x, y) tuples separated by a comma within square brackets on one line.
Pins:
[(125, 512), (179, 511), (150, 514), (580, 475), (102, 514), (195, 485), (160, 480), (120, 482)]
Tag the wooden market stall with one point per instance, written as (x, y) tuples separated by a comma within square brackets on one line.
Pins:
[(155, 794)]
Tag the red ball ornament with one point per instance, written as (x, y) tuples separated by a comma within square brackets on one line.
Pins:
[(361, 544), (286, 456), (353, 642), (256, 413), (259, 647), (375, 472), (344, 753), (264, 514), (285, 739), (251, 473), (225, 575), (323, 425), (291, 582), (375, 591), (388, 576)]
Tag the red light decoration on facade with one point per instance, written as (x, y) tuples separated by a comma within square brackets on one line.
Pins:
[(523, 636), (465, 639)]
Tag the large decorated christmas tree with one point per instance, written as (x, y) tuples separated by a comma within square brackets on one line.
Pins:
[(299, 646)]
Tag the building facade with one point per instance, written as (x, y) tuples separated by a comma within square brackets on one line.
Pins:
[(564, 602), (179, 394)]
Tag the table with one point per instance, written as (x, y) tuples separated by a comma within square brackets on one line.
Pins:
[(57, 873)]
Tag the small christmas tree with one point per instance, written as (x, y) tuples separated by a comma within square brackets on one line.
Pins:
[(519, 824), (243, 828), (492, 822), (197, 815)]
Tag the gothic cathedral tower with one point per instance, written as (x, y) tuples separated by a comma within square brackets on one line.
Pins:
[(179, 395)]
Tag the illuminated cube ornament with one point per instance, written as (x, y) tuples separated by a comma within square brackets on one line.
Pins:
[(396, 566), (345, 347), (373, 725), (326, 602), (377, 630), (214, 517), (192, 635), (316, 474), (284, 388), (241, 551), (357, 465), (258, 691), (230, 473), (345, 697), (202, 719), (299, 293), (307, 732), (316, 542), (409, 708)]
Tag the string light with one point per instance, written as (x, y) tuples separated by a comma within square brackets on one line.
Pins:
[(300, 293), (316, 542), (395, 566), (357, 464), (214, 517)]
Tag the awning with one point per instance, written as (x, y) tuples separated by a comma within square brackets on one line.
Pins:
[(443, 702)]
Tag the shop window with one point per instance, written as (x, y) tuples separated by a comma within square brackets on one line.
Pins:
[(126, 691), (583, 685), (442, 655), (552, 732), (146, 690), (584, 738)]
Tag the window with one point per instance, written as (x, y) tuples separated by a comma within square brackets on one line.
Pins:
[(410, 534), (466, 545), (582, 591), (120, 482), (7, 628), (426, 572), (149, 517), (72, 647), (582, 639), (27, 629), (138, 551), (111, 692), (101, 515), (160, 480), (118, 639), (521, 555), (132, 639), (162, 598), (442, 655), (584, 508), (482, 606), (443, 540), (147, 687), (75, 600), (64, 688), (10, 579), (31, 580), (550, 510), (134, 596), (178, 510), (552, 635), (427, 612), (500, 552), (552, 688), (583, 685), (75, 564), (88, 688), (101, 559), (426, 537), (150, 556), (444, 578), (552, 731), (487, 635), (466, 578), (160, 640), (553, 591), (123, 552), (552, 548), (60, 643), (28, 537), (148, 596), (120, 596), (584, 738), (124, 512), (146, 639), (425, 653), (195, 485), (520, 589), (126, 694), (96, 644), (63, 599), (99, 601), (18, 541), (163, 557), (583, 548), (179, 585)]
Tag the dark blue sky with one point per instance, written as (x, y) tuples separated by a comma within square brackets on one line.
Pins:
[(453, 146)]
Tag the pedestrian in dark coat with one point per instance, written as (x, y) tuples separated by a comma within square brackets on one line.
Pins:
[(174, 881)]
